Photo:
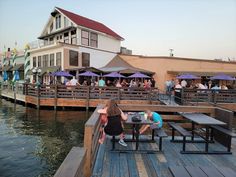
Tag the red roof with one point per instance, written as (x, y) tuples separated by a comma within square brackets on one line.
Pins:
[(88, 23)]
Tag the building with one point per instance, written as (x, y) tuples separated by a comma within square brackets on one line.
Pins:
[(12, 60), (70, 41), (166, 68)]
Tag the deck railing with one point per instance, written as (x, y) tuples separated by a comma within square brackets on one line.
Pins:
[(207, 95), (87, 92)]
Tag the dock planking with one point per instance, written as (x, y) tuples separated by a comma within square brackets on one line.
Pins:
[(158, 164)]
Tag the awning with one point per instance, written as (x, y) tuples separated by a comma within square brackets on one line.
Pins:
[(44, 70), (7, 68), (51, 69), (19, 67)]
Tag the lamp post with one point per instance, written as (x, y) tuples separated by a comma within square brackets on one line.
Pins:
[(36, 72)]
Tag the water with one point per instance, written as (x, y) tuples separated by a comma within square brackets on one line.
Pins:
[(34, 143)]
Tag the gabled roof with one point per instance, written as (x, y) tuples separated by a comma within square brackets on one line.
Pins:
[(118, 64), (88, 23)]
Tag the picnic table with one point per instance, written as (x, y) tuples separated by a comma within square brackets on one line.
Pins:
[(136, 134), (206, 122)]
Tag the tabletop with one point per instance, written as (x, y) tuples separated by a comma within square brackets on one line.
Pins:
[(144, 121), (202, 119)]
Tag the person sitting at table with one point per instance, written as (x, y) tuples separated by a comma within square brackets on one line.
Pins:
[(114, 126), (157, 121)]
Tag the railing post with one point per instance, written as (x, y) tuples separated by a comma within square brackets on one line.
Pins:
[(14, 91), (118, 94), (55, 97), (182, 96), (88, 93), (38, 96)]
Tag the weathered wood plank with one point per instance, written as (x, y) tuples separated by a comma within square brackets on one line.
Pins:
[(72, 166)]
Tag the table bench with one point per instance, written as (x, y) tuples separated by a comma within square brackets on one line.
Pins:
[(226, 132), (161, 134), (183, 132), (192, 171)]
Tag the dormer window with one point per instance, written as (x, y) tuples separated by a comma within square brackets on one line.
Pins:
[(58, 22)]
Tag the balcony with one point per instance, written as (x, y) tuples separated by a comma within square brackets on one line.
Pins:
[(39, 44)]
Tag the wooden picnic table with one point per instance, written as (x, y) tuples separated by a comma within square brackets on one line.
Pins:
[(207, 122)]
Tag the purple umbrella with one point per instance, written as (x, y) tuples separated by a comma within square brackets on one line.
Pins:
[(222, 77), (138, 75), (114, 74), (62, 73), (187, 76), (88, 73)]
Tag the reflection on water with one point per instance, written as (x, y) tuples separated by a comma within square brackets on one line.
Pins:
[(34, 143)]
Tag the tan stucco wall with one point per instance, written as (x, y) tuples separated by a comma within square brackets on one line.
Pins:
[(161, 65)]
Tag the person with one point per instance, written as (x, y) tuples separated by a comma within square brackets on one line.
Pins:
[(183, 83), (73, 81), (157, 121), (153, 82), (114, 126), (101, 82)]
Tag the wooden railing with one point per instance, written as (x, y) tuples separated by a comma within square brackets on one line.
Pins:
[(207, 95), (83, 92)]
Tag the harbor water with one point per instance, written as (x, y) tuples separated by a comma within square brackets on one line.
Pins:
[(34, 143)]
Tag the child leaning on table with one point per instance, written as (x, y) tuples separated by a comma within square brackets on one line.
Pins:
[(157, 121)]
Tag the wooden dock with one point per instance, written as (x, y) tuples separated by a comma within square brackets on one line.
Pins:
[(100, 161), (117, 164)]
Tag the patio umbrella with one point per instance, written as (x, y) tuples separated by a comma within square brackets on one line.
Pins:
[(16, 76), (114, 74), (222, 77), (62, 73), (5, 76), (88, 73), (187, 76), (138, 75)]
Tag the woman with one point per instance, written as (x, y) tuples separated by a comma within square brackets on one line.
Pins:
[(114, 126)]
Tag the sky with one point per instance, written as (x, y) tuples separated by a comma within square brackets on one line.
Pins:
[(204, 29)]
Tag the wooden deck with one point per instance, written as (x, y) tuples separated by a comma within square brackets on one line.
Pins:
[(114, 164)]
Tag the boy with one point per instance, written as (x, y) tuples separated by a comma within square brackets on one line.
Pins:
[(157, 121)]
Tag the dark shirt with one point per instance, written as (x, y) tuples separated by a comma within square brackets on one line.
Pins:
[(114, 126)]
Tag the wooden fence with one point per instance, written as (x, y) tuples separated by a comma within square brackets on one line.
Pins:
[(207, 95)]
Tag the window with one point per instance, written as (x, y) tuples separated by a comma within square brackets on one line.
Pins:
[(66, 22), (85, 59), (34, 61), (58, 22), (52, 59), (51, 40), (58, 58), (85, 37), (94, 40), (66, 38), (39, 61), (73, 37), (73, 58), (51, 27), (45, 60)]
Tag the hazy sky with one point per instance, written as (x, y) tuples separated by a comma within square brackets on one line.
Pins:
[(193, 28)]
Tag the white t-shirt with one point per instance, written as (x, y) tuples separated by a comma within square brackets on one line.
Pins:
[(183, 83), (73, 81)]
